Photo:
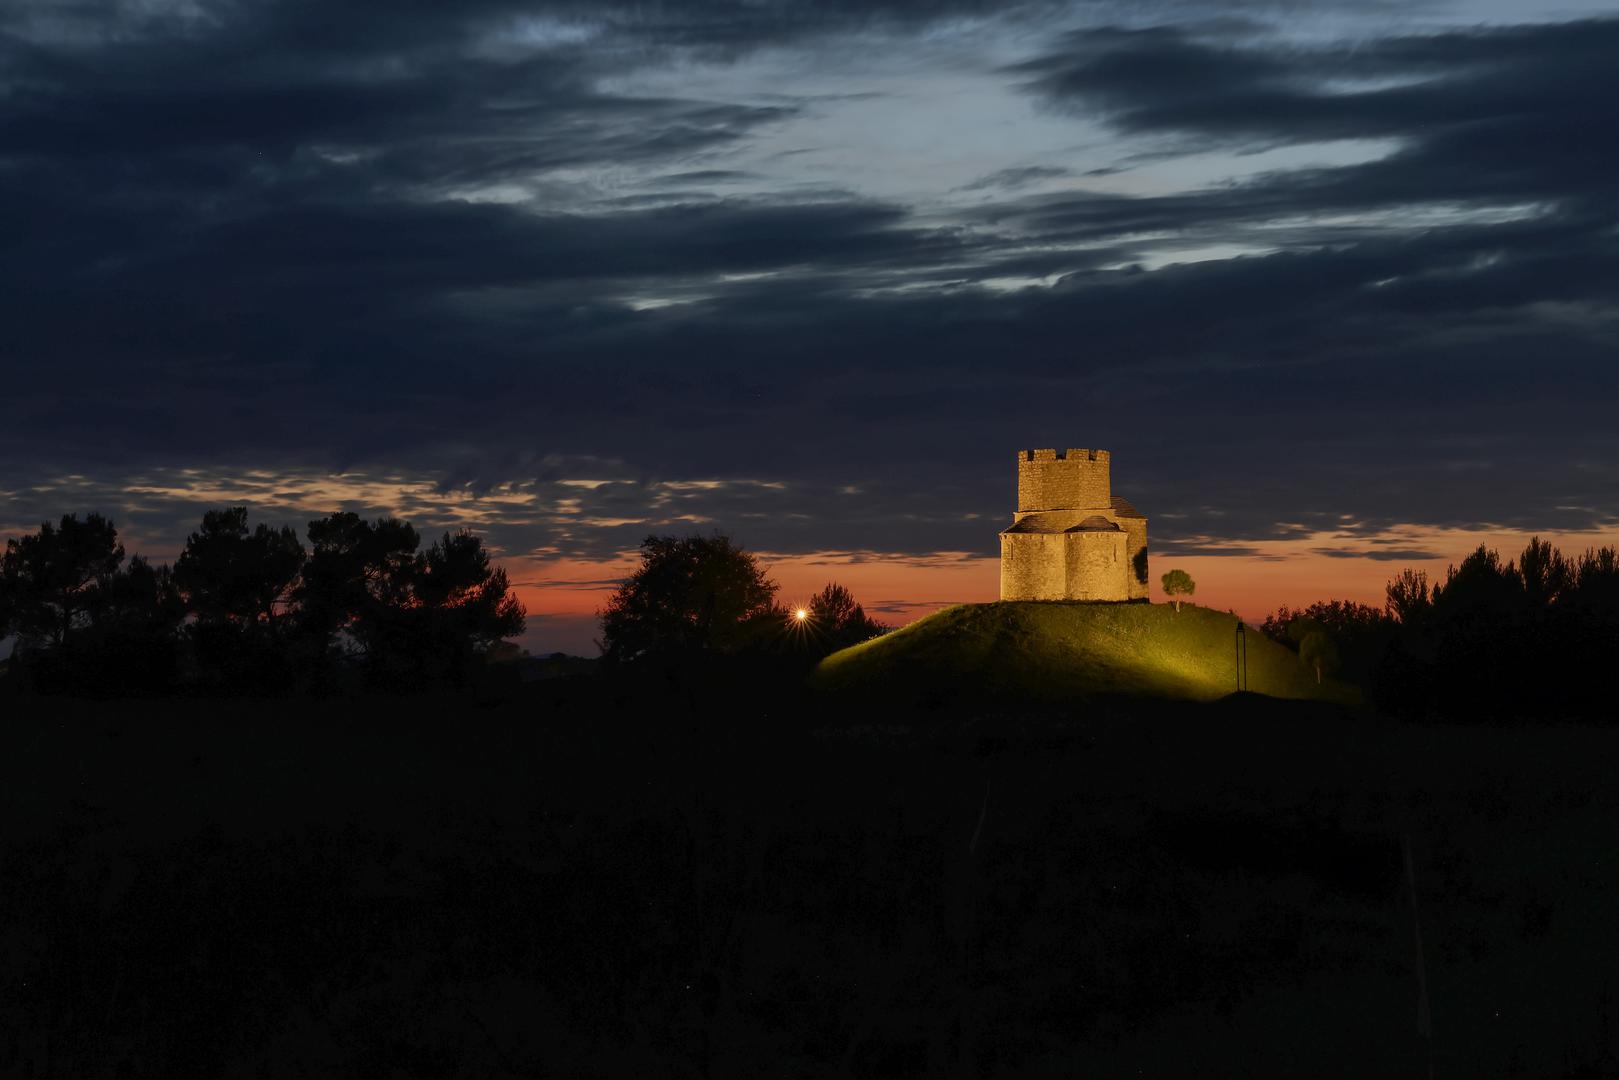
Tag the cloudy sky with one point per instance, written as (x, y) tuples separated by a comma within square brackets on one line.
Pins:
[(1338, 284)]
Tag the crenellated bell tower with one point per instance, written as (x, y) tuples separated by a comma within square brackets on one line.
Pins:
[(1071, 538)]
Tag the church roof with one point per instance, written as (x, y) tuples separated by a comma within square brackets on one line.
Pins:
[(1056, 521), (1122, 507), (1032, 524)]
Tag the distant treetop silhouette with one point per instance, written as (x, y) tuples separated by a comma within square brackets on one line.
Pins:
[(250, 610), (690, 594)]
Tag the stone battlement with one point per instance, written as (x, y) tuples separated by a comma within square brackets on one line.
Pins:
[(1080, 454), (1063, 480)]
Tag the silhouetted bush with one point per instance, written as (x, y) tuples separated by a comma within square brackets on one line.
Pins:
[(694, 594), (1359, 634), (49, 580), (237, 586), (358, 574), (456, 608), (702, 603), (1504, 640), (840, 620), (1496, 640), (86, 623)]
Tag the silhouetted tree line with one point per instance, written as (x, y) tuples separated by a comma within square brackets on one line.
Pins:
[(1530, 638), (704, 596), (252, 610), (1346, 639)]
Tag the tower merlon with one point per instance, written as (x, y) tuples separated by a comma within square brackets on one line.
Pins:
[(1071, 454)]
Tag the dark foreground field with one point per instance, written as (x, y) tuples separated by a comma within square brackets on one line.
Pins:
[(670, 881)]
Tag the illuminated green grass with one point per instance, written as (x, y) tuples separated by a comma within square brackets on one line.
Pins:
[(1054, 650)]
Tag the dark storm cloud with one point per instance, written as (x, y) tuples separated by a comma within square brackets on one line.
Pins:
[(318, 30), (1482, 114), (1380, 554), (234, 241), (705, 176), (1171, 79), (409, 252), (221, 115)]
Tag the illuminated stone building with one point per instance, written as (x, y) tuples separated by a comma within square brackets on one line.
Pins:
[(1072, 538)]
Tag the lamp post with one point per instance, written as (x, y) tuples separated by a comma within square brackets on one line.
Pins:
[(1242, 657)]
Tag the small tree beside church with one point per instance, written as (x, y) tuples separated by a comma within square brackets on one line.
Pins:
[(1178, 583)]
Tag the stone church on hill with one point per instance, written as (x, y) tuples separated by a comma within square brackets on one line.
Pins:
[(1072, 538)]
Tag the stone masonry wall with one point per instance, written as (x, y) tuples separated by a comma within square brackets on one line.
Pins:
[(1074, 479), (1097, 566), (1033, 566)]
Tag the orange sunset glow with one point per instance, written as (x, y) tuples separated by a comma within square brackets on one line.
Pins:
[(564, 596), (564, 593)]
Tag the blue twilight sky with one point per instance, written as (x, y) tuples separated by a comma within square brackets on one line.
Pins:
[(1340, 275)]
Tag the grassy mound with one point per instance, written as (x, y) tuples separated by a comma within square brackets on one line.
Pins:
[(1058, 650)]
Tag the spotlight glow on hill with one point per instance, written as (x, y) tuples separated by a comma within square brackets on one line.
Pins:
[(1057, 650)]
